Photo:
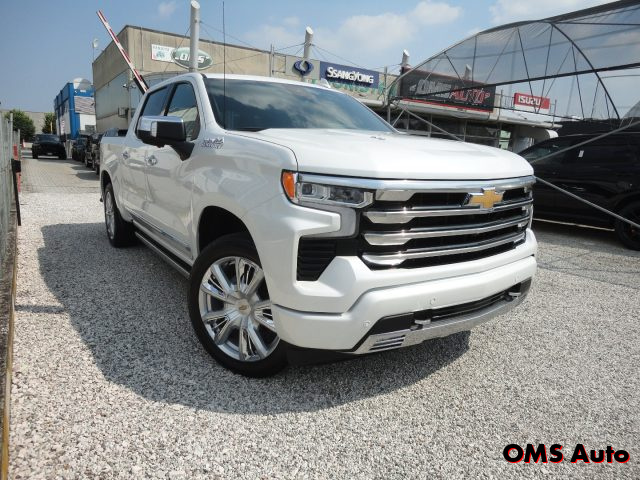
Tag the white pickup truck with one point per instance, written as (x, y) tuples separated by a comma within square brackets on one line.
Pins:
[(305, 223)]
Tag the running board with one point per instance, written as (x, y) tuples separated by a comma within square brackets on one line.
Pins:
[(177, 264)]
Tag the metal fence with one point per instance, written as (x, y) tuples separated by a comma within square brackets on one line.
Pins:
[(6, 183)]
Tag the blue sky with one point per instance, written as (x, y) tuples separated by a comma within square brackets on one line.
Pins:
[(45, 44)]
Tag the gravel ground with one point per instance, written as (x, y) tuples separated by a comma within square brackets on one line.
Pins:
[(110, 381)]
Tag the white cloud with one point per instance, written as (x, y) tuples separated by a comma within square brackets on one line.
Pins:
[(291, 21), (359, 36), (277, 35), (166, 9), (506, 11)]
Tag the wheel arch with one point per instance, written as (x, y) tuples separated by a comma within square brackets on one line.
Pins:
[(215, 222), (634, 197)]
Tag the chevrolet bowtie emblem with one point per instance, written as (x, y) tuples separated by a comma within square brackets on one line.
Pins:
[(487, 199)]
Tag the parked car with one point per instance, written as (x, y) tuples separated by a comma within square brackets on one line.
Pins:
[(605, 172), (47, 144), (112, 132), (78, 149), (93, 149), (306, 223)]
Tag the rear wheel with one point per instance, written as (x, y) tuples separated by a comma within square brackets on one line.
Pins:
[(120, 233), (230, 308), (628, 234), (34, 155)]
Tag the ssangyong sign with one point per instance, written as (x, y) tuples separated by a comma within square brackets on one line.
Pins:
[(531, 103), (351, 75)]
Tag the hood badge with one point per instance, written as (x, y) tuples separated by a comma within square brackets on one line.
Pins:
[(378, 137), (216, 143)]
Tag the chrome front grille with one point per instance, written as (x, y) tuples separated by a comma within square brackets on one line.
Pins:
[(436, 224)]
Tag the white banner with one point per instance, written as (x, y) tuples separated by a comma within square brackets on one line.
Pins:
[(161, 53)]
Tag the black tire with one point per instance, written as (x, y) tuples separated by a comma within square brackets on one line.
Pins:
[(62, 156), (628, 234), (121, 234), (96, 168), (235, 245), (34, 155)]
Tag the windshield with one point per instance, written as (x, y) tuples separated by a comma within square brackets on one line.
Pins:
[(533, 154), (257, 105), (47, 138), (81, 141)]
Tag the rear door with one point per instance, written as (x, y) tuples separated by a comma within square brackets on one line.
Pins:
[(168, 179)]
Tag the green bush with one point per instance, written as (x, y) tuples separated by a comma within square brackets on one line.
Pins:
[(22, 122)]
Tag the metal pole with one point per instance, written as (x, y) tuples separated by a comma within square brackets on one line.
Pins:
[(271, 54), (308, 38), (195, 36), (405, 61)]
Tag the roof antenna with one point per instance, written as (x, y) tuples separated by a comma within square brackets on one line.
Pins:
[(224, 71)]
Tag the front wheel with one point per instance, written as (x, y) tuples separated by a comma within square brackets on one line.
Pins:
[(230, 308), (628, 234)]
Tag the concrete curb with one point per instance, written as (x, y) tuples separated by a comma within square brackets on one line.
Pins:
[(7, 310)]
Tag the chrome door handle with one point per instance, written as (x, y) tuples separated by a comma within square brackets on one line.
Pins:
[(125, 155), (152, 160)]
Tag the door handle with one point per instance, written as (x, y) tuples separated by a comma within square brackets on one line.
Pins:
[(152, 160), (125, 155)]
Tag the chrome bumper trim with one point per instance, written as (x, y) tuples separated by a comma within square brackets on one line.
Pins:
[(441, 328)]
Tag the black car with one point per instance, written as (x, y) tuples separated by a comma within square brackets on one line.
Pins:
[(605, 172), (47, 144), (78, 149)]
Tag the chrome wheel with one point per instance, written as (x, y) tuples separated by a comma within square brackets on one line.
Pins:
[(236, 311), (109, 214)]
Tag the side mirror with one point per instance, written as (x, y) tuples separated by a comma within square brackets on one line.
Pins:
[(160, 131)]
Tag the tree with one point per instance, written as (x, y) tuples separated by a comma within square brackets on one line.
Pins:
[(49, 125), (22, 122)]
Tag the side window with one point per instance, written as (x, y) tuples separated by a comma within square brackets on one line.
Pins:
[(619, 153), (183, 104), (154, 103), (539, 155)]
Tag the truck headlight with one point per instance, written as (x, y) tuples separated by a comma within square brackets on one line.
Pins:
[(304, 192)]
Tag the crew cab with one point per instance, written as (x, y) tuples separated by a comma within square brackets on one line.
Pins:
[(306, 223)]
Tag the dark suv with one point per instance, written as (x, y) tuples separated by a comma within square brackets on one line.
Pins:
[(605, 172), (46, 144)]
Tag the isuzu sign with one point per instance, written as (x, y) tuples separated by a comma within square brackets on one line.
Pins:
[(531, 102), (346, 74)]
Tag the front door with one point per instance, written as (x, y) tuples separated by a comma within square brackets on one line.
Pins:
[(169, 184)]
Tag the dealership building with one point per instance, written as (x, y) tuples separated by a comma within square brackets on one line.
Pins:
[(74, 109), (481, 117)]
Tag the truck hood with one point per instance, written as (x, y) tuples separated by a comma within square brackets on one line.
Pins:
[(393, 155)]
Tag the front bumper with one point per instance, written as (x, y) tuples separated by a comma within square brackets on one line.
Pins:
[(346, 331), (419, 331)]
